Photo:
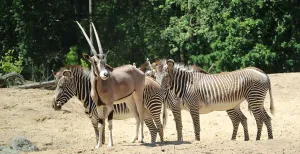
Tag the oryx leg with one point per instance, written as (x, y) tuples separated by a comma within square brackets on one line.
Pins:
[(132, 107), (101, 120), (110, 118), (138, 98), (102, 115)]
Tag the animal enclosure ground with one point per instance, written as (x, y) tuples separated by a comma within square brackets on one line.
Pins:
[(29, 113)]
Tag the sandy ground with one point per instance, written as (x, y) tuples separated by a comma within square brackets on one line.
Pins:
[(29, 113)]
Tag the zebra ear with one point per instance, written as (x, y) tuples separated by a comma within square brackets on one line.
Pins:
[(67, 73), (170, 63)]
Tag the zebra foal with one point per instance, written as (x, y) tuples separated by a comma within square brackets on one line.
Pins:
[(204, 93)]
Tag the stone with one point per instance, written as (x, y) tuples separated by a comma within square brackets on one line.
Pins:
[(8, 150), (23, 144)]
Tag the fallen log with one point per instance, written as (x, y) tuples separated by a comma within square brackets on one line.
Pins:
[(47, 85), (10, 76)]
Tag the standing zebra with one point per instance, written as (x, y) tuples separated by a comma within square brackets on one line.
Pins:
[(204, 93), (171, 100), (75, 81)]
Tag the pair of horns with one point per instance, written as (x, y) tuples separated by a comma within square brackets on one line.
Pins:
[(89, 41)]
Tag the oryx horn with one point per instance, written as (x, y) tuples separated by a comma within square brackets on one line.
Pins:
[(97, 38), (87, 39)]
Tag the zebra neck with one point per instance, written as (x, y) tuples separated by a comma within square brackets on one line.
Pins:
[(83, 88), (180, 82)]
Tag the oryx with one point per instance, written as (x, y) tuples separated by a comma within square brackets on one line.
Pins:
[(123, 84)]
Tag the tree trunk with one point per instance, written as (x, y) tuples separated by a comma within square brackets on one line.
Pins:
[(91, 20), (46, 85)]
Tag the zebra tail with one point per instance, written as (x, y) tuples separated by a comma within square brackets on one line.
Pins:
[(164, 113), (272, 108)]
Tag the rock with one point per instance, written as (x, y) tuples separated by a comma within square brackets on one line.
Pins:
[(22, 144), (8, 150)]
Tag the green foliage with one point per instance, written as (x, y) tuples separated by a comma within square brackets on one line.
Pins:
[(236, 34), (72, 58), (83, 63), (10, 64), (232, 34)]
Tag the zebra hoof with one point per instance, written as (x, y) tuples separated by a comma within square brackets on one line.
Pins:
[(109, 145), (134, 139)]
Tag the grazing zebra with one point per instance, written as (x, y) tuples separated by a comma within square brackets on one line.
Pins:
[(204, 93), (75, 81)]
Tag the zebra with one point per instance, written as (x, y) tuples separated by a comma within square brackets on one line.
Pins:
[(75, 81), (204, 93), (176, 104), (171, 100)]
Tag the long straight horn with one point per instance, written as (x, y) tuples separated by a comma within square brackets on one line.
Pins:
[(87, 39), (97, 38)]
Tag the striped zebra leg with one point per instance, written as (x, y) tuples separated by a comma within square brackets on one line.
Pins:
[(174, 104), (236, 116), (178, 121), (196, 121), (244, 124), (155, 113), (151, 126), (256, 107), (267, 121), (94, 120), (259, 124), (256, 99)]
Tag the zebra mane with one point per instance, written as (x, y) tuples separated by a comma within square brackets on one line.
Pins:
[(72, 68), (79, 69), (189, 68), (163, 62)]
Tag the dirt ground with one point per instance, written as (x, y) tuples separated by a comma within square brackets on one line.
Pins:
[(29, 113)]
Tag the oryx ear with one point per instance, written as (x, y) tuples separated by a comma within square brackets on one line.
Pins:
[(67, 73), (170, 63), (54, 73), (105, 55), (87, 57)]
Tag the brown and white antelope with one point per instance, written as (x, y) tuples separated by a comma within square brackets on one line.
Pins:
[(124, 84)]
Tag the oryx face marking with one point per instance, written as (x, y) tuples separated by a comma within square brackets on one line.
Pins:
[(98, 65)]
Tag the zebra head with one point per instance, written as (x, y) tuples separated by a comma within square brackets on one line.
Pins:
[(64, 90), (161, 72), (148, 69)]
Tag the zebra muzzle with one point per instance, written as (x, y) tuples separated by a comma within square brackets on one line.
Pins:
[(56, 105)]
